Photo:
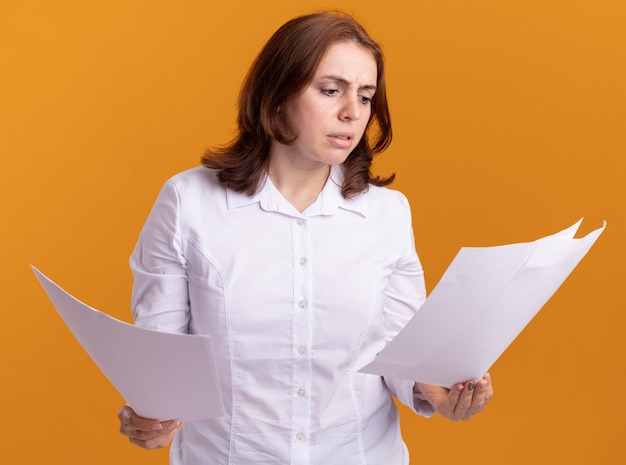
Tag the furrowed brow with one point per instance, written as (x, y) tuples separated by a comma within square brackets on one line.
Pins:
[(347, 83)]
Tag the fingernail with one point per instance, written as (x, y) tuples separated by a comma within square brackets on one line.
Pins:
[(172, 426), (470, 386), (156, 427)]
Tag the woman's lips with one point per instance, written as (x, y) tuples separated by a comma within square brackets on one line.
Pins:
[(343, 141)]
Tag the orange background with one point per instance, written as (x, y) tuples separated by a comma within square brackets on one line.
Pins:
[(510, 122)]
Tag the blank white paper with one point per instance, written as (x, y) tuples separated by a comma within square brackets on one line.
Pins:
[(483, 301), (164, 376)]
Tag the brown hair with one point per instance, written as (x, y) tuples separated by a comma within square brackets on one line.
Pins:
[(285, 66)]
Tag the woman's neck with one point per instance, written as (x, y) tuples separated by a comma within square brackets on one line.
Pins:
[(300, 185)]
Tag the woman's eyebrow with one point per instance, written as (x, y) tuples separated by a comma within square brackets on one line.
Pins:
[(346, 82)]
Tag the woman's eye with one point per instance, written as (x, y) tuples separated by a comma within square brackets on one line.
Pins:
[(329, 91), (365, 100)]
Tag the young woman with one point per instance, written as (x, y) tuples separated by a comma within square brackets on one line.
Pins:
[(297, 261)]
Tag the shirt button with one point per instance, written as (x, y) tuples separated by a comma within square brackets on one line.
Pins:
[(302, 303), (301, 392), (303, 261), (300, 221), (301, 350), (299, 436)]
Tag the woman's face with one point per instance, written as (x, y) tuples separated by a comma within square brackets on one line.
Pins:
[(329, 117)]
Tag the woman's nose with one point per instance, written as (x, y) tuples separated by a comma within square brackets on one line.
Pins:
[(351, 109)]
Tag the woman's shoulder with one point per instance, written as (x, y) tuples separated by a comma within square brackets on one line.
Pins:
[(197, 179), (198, 185), (387, 197), (385, 205)]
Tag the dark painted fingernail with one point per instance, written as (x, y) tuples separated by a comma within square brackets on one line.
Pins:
[(470, 386)]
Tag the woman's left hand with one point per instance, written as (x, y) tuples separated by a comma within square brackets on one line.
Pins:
[(462, 401)]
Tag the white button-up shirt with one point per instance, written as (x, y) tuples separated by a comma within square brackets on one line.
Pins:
[(295, 303)]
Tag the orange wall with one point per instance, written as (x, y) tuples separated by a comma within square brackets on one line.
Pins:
[(510, 123)]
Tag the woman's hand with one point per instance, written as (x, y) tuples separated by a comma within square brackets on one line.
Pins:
[(462, 401), (146, 433)]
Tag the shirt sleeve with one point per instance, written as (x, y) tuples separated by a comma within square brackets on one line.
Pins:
[(406, 292), (160, 296)]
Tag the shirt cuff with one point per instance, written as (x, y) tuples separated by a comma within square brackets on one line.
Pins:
[(402, 389)]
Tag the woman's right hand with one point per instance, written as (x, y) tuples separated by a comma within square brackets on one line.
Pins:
[(146, 433)]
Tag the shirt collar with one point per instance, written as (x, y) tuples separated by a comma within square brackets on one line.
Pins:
[(327, 203)]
